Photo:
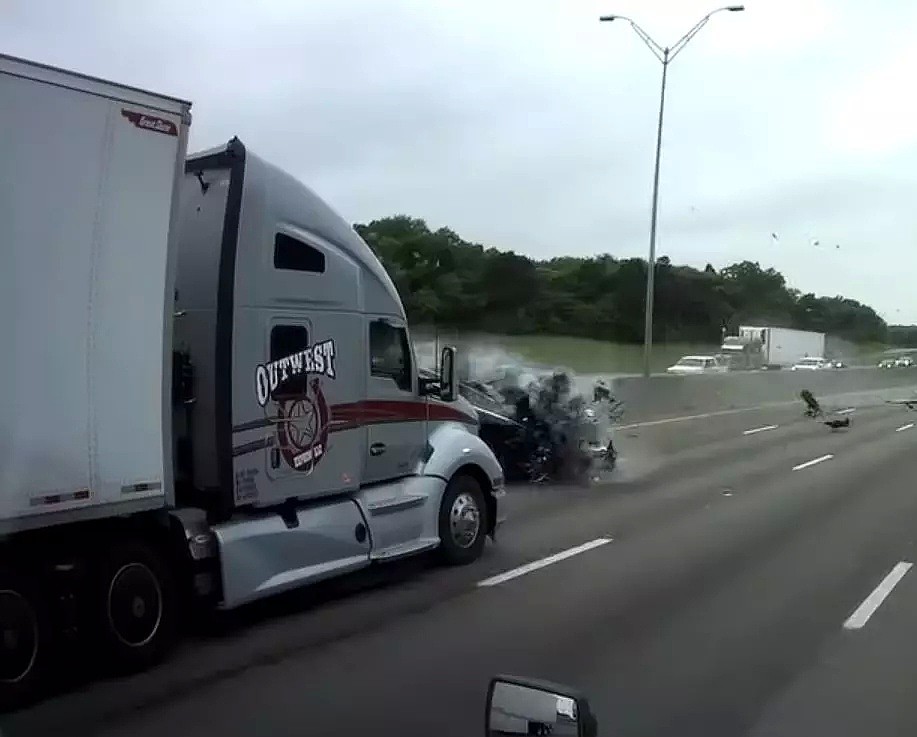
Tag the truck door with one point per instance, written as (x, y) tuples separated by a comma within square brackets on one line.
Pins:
[(394, 412), (317, 444)]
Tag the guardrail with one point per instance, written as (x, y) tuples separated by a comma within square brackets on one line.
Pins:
[(658, 397)]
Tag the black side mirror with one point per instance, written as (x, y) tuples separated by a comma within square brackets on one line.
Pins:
[(448, 391), (526, 706)]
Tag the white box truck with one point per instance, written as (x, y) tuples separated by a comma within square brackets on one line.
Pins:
[(210, 392), (782, 347)]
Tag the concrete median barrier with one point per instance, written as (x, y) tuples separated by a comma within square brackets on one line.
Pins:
[(659, 397)]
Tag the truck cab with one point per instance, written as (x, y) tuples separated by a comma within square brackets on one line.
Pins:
[(310, 434), (743, 352)]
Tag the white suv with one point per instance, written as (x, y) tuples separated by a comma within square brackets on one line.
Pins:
[(812, 364), (698, 365)]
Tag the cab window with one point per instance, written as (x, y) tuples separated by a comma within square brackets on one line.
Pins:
[(390, 353), (294, 255)]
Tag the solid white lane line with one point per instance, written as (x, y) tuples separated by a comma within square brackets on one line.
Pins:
[(908, 426), (826, 457), (759, 429), (535, 565), (872, 602)]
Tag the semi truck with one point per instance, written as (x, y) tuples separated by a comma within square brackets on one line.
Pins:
[(756, 347), (210, 394)]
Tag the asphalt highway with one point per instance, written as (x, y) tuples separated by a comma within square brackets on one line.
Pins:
[(741, 573)]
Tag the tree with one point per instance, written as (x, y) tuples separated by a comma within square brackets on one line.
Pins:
[(448, 281)]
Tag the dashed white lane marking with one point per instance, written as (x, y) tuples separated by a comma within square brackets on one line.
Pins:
[(759, 429), (872, 602), (826, 457), (908, 426), (846, 411), (535, 565)]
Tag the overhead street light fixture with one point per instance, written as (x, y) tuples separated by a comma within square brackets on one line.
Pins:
[(665, 56)]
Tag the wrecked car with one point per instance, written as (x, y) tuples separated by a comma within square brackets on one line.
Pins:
[(540, 428)]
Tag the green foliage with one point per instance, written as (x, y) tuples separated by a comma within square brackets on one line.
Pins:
[(904, 336), (445, 280)]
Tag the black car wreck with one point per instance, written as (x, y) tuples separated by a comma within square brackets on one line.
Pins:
[(540, 429)]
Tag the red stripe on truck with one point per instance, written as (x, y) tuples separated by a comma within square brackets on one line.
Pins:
[(379, 411)]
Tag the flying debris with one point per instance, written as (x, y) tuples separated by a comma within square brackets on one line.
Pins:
[(814, 410), (909, 403)]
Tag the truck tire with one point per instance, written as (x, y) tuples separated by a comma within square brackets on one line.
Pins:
[(135, 606), (462, 521), (25, 639)]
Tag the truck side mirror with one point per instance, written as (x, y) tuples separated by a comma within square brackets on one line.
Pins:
[(447, 388)]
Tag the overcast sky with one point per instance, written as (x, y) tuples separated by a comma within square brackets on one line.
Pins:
[(529, 125)]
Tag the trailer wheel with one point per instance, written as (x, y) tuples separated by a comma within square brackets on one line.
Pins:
[(24, 640), (136, 606), (462, 521)]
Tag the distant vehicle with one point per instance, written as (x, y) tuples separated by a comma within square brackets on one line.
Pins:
[(813, 363), (698, 365), (771, 347), (904, 362), (886, 363), (743, 352)]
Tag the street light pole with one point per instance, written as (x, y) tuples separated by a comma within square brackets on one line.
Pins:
[(665, 56), (651, 263)]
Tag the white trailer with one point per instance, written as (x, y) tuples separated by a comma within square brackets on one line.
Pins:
[(783, 347), (209, 390)]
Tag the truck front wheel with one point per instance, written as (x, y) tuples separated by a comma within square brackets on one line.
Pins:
[(24, 639), (462, 521), (135, 606)]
